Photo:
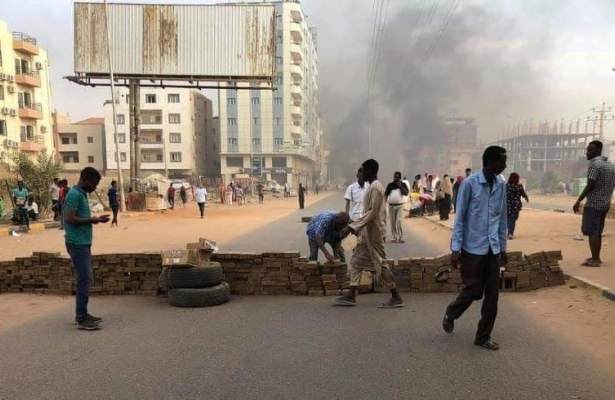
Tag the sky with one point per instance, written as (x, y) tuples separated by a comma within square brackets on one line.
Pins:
[(499, 61)]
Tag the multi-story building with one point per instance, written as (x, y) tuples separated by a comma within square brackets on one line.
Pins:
[(172, 131), (275, 134), (460, 137), (81, 144), (25, 95), (212, 149)]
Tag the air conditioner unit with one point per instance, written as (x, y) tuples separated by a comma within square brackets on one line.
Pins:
[(10, 89), (2, 77), (13, 112), (43, 129), (5, 111), (39, 66), (15, 144), (10, 78)]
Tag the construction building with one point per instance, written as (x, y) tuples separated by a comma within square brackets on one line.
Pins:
[(25, 95), (276, 135), (80, 144), (173, 127)]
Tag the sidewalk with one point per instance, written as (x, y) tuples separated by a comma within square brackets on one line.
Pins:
[(539, 230)]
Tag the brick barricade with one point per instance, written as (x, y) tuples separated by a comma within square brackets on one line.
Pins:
[(280, 273)]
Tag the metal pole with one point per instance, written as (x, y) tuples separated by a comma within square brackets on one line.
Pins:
[(117, 147)]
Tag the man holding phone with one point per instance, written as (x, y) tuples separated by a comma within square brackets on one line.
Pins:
[(78, 222)]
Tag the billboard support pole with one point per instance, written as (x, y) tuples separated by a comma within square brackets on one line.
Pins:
[(134, 107), (117, 147)]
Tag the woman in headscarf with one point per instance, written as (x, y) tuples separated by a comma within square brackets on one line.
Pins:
[(514, 193), (447, 195)]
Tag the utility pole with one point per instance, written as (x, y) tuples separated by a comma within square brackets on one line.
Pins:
[(601, 118), (134, 107), (117, 146)]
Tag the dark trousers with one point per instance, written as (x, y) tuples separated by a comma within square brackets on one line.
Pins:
[(114, 210), (261, 198), (201, 208), (81, 256), (481, 277), (171, 201), (22, 214), (445, 207), (301, 202), (513, 216), (54, 207), (338, 250)]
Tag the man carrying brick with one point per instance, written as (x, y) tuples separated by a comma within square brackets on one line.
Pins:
[(369, 253), (326, 227), (599, 190), (78, 236), (479, 244)]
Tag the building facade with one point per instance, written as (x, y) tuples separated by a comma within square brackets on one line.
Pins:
[(276, 134), (172, 131), (25, 96), (81, 144), (461, 143)]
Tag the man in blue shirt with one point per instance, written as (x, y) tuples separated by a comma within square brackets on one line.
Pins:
[(114, 204), (479, 244), (78, 236), (324, 228)]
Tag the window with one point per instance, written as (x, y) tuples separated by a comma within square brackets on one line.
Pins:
[(278, 162), (150, 98), (122, 156), (232, 121), (175, 138), (176, 157), (278, 60), (91, 159), (255, 121), (173, 98), (277, 100), (70, 157), (231, 101), (1, 92), (69, 138), (121, 120), (2, 127), (277, 121), (278, 141), (256, 101), (256, 141), (234, 162), (90, 139), (121, 138), (233, 141), (174, 119)]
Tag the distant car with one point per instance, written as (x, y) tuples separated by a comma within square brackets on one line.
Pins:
[(177, 184), (273, 187)]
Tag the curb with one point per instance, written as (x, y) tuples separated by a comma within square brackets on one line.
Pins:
[(35, 227), (606, 292)]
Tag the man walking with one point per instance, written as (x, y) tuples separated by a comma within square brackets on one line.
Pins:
[(200, 195), (114, 203), (599, 190), (327, 227), (301, 192), (54, 193), (369, 254), (354, 197), (479, 244), (20, 199), (78, 237), (395, 193), (259, 190), (171, 196)]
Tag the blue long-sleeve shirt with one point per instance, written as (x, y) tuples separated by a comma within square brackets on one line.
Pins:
[(481, 220)]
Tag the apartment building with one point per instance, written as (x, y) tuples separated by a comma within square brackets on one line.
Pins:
[(80, 144), (173, 126), (25, 95), (276, 134)]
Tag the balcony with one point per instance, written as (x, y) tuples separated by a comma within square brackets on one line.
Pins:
[(30, 111), (151, 117), (295, 54), (150, 139), (297, 36), (30, 142), (296, 92), (296, 16), (24, 43), (295, 130), (297, 113), (31, 79)]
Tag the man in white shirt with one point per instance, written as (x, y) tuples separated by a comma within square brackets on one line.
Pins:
[(200, 194), (54, 192), (394, 194), (354, 197)]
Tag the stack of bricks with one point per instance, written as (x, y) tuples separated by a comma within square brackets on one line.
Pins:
[(243, 271), (423, 275), (311, 276), (534, 271), (334, 278), (278, 267)]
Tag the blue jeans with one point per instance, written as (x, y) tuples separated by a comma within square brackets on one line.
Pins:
[(81, 256), (512, 221)]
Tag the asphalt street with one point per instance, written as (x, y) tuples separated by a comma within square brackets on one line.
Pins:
[(288, 234)]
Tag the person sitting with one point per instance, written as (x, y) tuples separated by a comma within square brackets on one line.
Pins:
[(32, 208), (327, 227)]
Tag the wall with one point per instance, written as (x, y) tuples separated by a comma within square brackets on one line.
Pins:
[(83, 130), (261, 274)]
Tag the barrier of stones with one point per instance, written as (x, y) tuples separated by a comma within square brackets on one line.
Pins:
[(273, 273)]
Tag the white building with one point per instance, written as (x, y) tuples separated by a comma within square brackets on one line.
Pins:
[(25, 96), (173, 127), (81, 144), (276, 134)]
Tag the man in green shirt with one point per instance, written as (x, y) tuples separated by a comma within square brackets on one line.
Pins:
[(20, 197), (78, 236)]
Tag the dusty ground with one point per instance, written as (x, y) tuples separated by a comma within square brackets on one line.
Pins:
[(163, 231), (581, 317), (20, 308)]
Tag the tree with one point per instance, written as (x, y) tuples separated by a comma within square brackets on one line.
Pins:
[(38, 176)]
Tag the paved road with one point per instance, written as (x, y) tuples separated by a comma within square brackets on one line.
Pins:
[(288, 234), (290, 348)]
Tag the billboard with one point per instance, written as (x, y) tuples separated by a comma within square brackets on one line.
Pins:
[(201, 42)]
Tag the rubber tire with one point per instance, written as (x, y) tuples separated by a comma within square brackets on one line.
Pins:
[(195, 277), (200, 297)]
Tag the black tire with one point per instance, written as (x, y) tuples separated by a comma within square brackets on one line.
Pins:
[(195, 277), (200, 297)]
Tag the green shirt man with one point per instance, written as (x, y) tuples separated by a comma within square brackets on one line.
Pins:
[(78, 234), (20, 195)]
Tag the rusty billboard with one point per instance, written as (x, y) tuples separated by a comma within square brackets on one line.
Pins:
[(226, 42)]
